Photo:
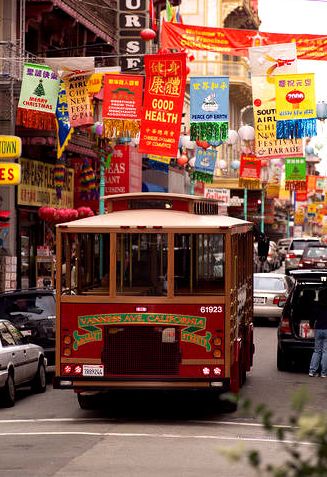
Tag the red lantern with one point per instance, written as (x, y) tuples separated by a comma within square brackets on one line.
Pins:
[(203, 144), (183, 160), (147, 34), (188, 70)]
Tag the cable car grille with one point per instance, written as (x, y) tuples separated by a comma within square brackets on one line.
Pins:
[(141, 350)]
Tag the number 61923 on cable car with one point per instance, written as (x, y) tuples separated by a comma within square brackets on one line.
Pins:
[(154, 294)]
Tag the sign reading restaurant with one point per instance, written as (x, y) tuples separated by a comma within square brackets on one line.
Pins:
[(37, 186)]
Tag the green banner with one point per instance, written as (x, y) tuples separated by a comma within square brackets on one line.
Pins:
[(295, 169), (192, 324)]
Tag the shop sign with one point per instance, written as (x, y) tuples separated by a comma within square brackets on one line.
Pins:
[(37, 186), (132, 18), (10, 147), (117, 175), (9, 173), (221, 195)]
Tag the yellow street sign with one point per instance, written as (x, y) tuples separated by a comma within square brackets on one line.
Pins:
[(10, 147), (9, 173)]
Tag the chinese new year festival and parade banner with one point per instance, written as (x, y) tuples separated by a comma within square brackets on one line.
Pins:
[(78, 101), (236, 42), (266, 62), (163, 103)]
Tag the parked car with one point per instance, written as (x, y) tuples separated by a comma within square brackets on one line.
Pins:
[(33, 312), (295, 337), (21, 363), (270, 291), (314, 256), (283, 245), (295, 251)]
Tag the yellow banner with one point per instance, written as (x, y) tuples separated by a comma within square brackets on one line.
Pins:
[(164, 159), (264, 108), (295, 96), (37, 185)]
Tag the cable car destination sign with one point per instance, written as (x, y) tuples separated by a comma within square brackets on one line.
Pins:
[(10, 148)]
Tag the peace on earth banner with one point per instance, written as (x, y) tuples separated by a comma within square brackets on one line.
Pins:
[(236, 42)]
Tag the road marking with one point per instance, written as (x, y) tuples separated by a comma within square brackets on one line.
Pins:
[(149, 435), (99, 419)]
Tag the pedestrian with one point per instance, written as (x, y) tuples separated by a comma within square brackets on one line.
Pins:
[(319, 323)]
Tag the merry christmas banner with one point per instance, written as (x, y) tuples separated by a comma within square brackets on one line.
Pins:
[(163, 103), (236, 42), (38, 98), (122, 104)]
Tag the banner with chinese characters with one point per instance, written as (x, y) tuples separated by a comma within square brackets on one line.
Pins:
[(295, 106), (122, 104), (204, 167), (64, 130), (78, 101), (231, 41), (250, 169), (266, 62), (209, 108), (295, 173), (163, 103), (301, 195), (38, 98)]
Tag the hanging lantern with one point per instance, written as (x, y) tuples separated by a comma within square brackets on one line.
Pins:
[(222, 164), (183, 140), (233, 137), (183, 159), (202, 144), (59, 177), (246, 133), (188, 70), (322, 111), (235, 165), (98, 129), (147, 34)]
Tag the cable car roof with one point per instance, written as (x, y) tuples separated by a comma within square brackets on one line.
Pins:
[(157, 218)]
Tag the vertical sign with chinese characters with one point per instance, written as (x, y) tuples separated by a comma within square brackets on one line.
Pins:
[(122, 97), (132, 19), (163, 104), (295, 173)]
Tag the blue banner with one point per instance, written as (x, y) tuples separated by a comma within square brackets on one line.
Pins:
[(205, 161), (209, 98), (64, 130)]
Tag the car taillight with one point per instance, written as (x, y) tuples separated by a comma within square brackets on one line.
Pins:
[(301, 264), (290, 255), (276, 300), (284, 326)]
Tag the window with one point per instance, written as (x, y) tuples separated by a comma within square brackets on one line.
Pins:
[(5, 336), (141, 264), (316, 252), (85, 263), (199, 264), (268, 284), (301, 244), (18, 337)]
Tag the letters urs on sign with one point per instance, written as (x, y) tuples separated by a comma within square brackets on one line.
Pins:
[(163, 104)]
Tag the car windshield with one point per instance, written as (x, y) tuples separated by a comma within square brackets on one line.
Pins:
[(268, 283), (315, 252), (36, 306), (301, 244)]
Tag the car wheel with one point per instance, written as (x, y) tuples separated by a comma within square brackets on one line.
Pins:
[(9, 392), (39, 384), (85, 401), (283, 363)]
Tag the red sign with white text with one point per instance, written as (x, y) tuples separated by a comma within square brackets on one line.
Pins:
[(163, 104), (117, 175), (122, 96)]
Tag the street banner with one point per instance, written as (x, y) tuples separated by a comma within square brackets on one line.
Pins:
[(236, 42), (204, 167), (163, 159), (209, 108), (38, 98), (117, 175), (301, 195), (250, 169), (295, 173), (122, 105), (72, 66), (78, 101), (295, 106), (163, 103), (95, 80), (64, 129), (311, 184), (266, 62), (274, 179)]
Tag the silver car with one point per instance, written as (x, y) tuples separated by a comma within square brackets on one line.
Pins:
[(21, 363), (270, 291), (295, 251), (283, 245)]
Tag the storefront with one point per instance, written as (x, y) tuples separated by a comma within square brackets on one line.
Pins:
[(37, 189)]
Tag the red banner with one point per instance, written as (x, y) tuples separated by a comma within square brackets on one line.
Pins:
[(117, 176), (163, 104), (122, 96), (250, 170), (236, 42)]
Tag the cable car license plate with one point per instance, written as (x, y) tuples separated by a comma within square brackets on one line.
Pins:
[(93, 370), (259, 300)]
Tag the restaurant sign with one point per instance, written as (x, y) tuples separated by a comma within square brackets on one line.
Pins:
[(37, 186)]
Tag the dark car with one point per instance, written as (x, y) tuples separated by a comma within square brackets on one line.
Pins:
[(295, 335), (295, 251), (314, 256), (33, 312)]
